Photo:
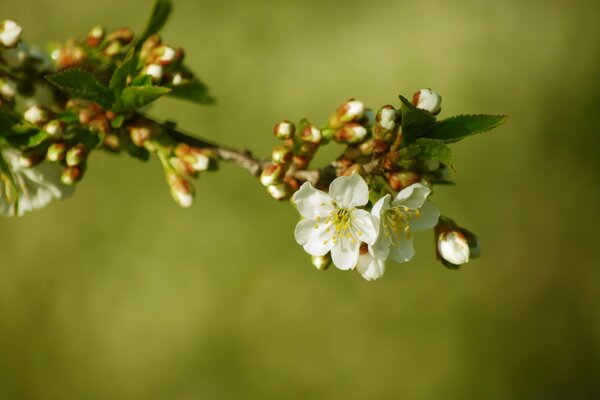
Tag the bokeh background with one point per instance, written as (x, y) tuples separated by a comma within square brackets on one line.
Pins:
[(117, 293)]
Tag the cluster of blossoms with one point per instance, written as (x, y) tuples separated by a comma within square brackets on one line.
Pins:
[(359, 211)]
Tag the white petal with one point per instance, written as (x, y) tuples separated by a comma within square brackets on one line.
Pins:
[(345, 254), (413, 196), (428, 217), (382, 205), (370, 267), (454, 248), (366, 224), (316, 241), (312, 203), (349, 191), (381, 248), (403, 250)]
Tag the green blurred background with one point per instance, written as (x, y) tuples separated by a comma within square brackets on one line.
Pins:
[(117, 293)]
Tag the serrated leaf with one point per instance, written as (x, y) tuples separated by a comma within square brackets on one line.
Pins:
[(194, 91), (415, 122), (158, 18), (456, 128), (134, 97), (82, 84), (430, 149), (118, 80)]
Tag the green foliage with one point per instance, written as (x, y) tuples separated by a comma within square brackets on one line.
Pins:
[(25, 136), (415, 122), (194, 91), (134, 97), (430, 149), (456, 128), (158, 18), (80, 83), (118, 81)]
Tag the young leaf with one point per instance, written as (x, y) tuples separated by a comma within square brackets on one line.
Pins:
[(160, 14), (415, 122), (80, 83), (118, 80), (456, 128), (431, 149), (25, 136), (194, 91), (134, 97)]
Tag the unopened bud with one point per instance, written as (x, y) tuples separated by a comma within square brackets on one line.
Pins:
[(10, 33), (351, 133), (177, 79), (113, 48), (453, 247), (139, 134), (149, 45), (198, 159), (280, 191), (182, 167), (37, 115), (31, 157), (122, 35), (165, 55), (310, 134), (181, 190), (54, 128), (352, 110), (8, 88), (273, 173), (427, 99), (153, 70), (112, 141), (76, 155), (386, 117), (321, 262), (95, 36), (71, 175), (403, 179), (282, 155), (56, 151), (284, 130)]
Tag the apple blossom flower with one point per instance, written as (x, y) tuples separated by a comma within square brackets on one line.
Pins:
[(36, 186), (407, 212), (333, 223)]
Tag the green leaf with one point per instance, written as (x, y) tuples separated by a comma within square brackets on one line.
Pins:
[(142, 80), (160, 14), (194, 91), (26, 136), (430, 149), (118, 80), (7, 120), (456, 128), (134, 97), (415, 122), (82, 84)]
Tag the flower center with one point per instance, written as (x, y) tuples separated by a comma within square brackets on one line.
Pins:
[(395, 222), (341, 224)]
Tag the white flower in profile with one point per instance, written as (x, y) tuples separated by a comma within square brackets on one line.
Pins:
[(333, 223), (36, 186), (399, 218), (370, 267)]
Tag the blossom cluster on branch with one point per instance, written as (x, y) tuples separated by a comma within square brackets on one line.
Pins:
[(91, 94)]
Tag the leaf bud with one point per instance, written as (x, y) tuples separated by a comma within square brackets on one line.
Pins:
[(272, 174), (284, 130), (71, 175), (56, 151), (181, 189), (321, 262), (428, 100), (351, 133), (280, 191), (282, 155), (8, 88), (54, 128), (10, 33), (402, 179), (95, 36), (76, 155), (37, 115)]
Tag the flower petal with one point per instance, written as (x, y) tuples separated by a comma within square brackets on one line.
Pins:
[(402, 251), (349, 191), (345, 254), (366, 224), (381, 248), (370, 267), (314, 237), (312, 203), (413, 196), (382, 205), (428, 217)]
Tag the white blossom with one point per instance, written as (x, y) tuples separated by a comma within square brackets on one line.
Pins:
[(333, 223), (427, 99), (454, 247), (370, 267), (10, 33), (36, 186)]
